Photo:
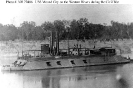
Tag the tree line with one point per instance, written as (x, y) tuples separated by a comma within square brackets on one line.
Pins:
[(73, 29)]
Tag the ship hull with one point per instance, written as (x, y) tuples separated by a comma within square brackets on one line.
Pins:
[(68, 63)]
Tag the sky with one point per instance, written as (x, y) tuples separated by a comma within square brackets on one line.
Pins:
[(39, 13)]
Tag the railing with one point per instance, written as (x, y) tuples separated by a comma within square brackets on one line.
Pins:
[(68, 52)]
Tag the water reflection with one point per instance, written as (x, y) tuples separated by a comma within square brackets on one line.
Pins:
[(83, 77), (125, 76)]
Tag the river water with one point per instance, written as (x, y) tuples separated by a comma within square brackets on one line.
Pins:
[(108, 76)]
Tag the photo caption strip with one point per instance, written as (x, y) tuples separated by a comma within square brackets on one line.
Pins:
[(70, 1), (64, 1)]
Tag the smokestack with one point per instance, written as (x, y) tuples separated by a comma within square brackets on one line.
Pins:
[(57, 42), (51, 42)]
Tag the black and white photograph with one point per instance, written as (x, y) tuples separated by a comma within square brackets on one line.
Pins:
[(66, 44)]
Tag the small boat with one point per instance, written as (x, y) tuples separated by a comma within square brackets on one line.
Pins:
[(50, 57)]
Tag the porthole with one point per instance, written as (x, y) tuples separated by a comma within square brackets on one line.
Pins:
[(58, 62), (48, 63), (85, 61), (73, 62)]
